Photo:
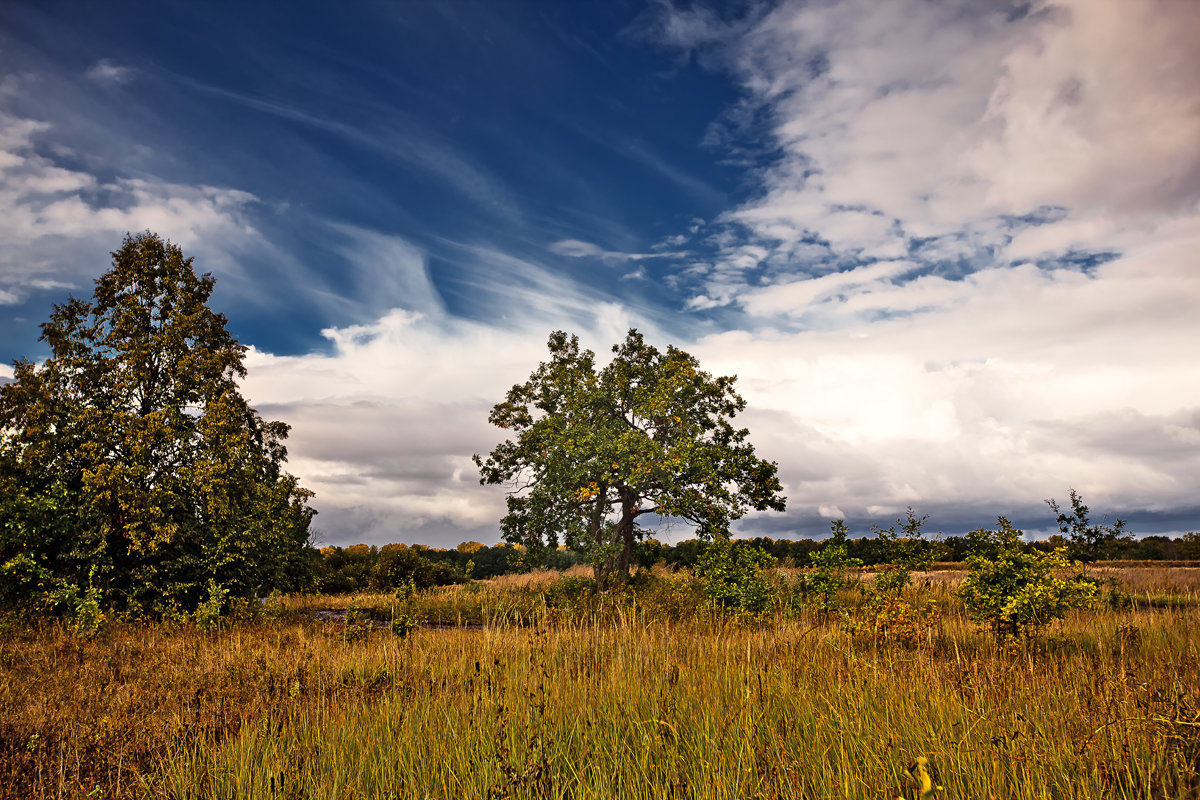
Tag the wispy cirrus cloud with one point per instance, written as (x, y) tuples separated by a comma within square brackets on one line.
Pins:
[(106, 71)]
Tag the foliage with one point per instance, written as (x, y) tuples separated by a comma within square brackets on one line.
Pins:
[(399, 564), (732, 575), (131, 451), (208, 613), (595, 450), (890, 619), (830, 566), (1088, 542), (403, 624), (1014, 591)]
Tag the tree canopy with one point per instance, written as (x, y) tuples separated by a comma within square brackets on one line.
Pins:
[(129, 460), (595, 450)]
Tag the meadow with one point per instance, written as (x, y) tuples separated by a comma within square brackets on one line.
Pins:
[(533, 686)]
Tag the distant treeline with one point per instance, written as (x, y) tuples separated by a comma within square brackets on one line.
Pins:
[(363, 567)]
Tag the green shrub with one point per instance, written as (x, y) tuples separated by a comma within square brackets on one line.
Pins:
[(1088, 542), (830, 565), (88, 618), (403, 624), (569, 592), (1013, 591), (907, 551), (358, 624), (733, 579), (208, 613)]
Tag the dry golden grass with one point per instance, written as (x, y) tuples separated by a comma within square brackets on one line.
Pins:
[(1107, 704)]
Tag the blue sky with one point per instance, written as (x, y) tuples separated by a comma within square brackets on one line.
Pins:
[(948, 248)]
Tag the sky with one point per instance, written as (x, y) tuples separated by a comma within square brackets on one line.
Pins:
[(950, 249)]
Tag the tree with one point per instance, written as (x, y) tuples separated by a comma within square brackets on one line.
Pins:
[(1012, 590), (130, 461), (596, 450), (1088, 542)]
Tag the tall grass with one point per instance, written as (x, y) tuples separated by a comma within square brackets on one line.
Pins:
[(630, 702)]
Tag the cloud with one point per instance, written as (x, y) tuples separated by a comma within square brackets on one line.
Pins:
[(920, 122), (394, 139), (385, 424), (1009, 386), (51, 214), (965, 280), (108, 72), (573, 248), (1096, 109)]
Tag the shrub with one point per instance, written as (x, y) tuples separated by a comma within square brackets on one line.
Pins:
[(569, 591), (208, 613), (830, 565), (403, 624), (890, 619), (733, 579), (907, 551), (1013, 591)]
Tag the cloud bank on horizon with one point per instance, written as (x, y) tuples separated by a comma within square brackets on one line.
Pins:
[(950, 249)]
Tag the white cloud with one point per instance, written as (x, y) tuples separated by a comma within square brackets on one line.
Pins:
[(800, 296), (107, 71), (1097, 109), (933, 149), (1011, 385), (919, 119), (573, 248), (385, 424), (54, 219)]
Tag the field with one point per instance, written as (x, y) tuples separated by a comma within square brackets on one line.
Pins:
[(529, 687)]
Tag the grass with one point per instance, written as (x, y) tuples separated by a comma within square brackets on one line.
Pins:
[(630, 699)]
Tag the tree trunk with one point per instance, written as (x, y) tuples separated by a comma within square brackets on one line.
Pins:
[(627, 541), (602, 567)]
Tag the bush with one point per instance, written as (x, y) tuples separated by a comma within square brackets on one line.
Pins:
[(1013, 591), (907, 551), (733, 579), (208, 613), (830, 565), (1088, 542), (890, 619)]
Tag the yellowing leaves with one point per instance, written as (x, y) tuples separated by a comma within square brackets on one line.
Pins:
[(585, 493)]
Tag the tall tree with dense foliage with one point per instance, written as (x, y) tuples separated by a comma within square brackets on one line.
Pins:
[(130, 462), (597, 449)]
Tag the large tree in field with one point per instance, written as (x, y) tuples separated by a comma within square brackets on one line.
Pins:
[(130, 461), (595, 450)]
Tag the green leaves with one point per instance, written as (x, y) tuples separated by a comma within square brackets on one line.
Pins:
[(593, 451), (1012, 590), (1088, 542)]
